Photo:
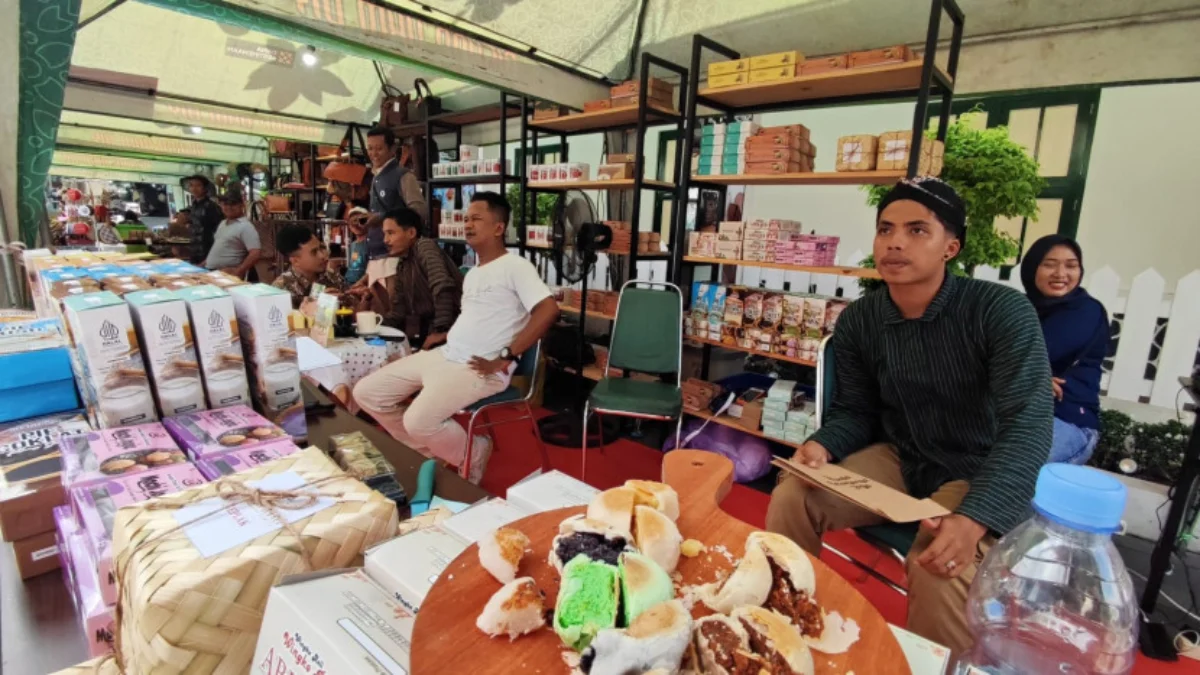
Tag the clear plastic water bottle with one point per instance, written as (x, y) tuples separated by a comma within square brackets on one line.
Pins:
[(1053, 596)]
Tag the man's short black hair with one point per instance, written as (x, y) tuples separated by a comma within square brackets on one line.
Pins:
[(406, 218), (291, 238), (130, 215), (389, 138), (497, 204)]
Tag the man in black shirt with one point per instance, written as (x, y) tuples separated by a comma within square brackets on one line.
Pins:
[(205, 216)]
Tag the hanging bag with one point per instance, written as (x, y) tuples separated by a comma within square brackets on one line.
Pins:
[(428, 105), (393, 109)]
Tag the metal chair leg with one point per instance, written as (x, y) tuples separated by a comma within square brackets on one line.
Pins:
[(583, 467), (537, 433), (678, 431)]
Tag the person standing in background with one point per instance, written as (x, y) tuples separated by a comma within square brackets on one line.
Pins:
[(393, 187), (1075, 326), (236, 246), (205, 214)]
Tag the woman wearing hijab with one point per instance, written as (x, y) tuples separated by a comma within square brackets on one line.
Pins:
[(1075, 326)]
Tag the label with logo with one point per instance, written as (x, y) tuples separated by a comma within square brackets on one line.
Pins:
[(218, 345), (165, 331), (116, 385)]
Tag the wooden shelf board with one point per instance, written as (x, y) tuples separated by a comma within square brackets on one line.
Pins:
[(735, 423), (884, 79), (864, 272), (591, 313), (483, 113), (810, 178), (618, 184), (777, 357), (600, 119), (549, 247)]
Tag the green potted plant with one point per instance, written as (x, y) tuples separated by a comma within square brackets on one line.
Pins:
[(996, 178), (542, 212)]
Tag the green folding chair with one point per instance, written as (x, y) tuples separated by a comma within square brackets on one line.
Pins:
[(528, 369), (891, 538), (647, 337)]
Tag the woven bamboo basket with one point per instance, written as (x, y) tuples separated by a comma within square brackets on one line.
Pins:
[(178, 612), (104, 665)]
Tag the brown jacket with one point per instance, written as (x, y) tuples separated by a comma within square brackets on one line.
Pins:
[(424, 295)]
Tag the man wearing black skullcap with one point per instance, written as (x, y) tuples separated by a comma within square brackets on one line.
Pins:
[(941, 393)]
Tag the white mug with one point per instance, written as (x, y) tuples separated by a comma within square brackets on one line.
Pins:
[(369, 322)]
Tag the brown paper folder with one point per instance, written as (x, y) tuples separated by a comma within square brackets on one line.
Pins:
[(862, 491)]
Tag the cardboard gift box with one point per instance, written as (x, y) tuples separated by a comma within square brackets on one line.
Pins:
[(878, 57), (721, 68), (597, 105), (96, 617), (236, 461), (856, 153), (333, 622), (408, 566), (96, 455), (788, 58), (823, 64), (269, 347), (731, 80), (658, 89), (36, 555), (544, 110), (614, 171), (197, 568), (35, 370), (730, 230), (778, 167), (211, 432), (30, 464), (546, 492), (773, 74), (762, 140), (218, 345), (892, 153)]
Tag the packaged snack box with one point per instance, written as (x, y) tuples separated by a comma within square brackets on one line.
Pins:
[(218, 345), (95, 616), (96, 506), (97, 455), (210, 432), (269, 345), (165, 332), (236, 461), (30, 464)]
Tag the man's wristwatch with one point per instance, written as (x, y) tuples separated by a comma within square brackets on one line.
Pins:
[(507, 354)]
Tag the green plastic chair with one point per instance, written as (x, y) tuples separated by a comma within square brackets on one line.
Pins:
[(892, 538), (647, 337)]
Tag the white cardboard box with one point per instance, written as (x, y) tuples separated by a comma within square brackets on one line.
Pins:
[(407, 566), (478, 520), (924, 656), (218, 344), (269, 344), (165, 332), (333, 622), (549, 491)]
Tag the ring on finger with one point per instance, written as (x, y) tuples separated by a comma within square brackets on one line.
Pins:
[(951, 566)]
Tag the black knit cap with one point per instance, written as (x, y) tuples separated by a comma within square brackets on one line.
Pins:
[(934, 195)]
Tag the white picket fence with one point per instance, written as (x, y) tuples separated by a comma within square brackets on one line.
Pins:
[(1149, 358)]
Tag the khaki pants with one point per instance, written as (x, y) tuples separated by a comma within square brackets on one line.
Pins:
[(446, 387), (936, 604)]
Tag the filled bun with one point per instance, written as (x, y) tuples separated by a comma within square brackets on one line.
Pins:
[(749, 584), (776, 640), (500, 553), (657, 639), (614, 508), (657, 537), (594, 539), (658, 496), (514, 610)]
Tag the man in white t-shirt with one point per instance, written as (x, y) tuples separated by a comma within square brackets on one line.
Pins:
[(506, 309)]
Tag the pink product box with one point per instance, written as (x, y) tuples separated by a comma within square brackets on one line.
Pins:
[(95, 615), (208, 432), (96, 507), (65, 526), (235, 461), (98, 455)]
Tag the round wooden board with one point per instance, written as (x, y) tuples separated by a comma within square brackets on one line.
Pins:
[(445, 639)]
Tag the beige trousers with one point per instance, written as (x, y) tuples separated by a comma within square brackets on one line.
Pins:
[(425, 424), (936, 604)]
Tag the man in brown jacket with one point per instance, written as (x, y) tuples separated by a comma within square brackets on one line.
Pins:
[(424, 295)]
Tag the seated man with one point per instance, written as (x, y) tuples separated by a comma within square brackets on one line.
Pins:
[(422, 293), (506, 309), (236, 246), (941, 392), (308, 264)]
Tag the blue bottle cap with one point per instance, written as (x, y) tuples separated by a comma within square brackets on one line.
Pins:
[(1080, 497)]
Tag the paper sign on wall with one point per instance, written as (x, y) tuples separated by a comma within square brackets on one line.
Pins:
[(221, 525), (870, 495)]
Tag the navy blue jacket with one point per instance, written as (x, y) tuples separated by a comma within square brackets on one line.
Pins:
[(1077, 341)]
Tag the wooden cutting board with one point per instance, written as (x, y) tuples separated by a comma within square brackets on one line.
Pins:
[(445, 639)]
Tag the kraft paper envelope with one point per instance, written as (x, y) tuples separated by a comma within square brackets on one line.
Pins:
[(871, 495)]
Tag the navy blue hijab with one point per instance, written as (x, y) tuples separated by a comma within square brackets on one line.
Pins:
[(1046, 305)]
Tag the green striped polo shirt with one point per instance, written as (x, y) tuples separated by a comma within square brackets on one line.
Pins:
[(962, 392)]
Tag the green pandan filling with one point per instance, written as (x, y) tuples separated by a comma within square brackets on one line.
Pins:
[(643, 585), (587, 601)]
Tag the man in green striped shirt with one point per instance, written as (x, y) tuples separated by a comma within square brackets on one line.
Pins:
[(943, 391)]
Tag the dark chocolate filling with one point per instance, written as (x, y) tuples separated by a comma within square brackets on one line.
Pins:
[(795, 605), (728, 650), (595, 546), (776, 664)]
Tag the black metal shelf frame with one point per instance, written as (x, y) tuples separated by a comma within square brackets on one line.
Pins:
[(932, 82)]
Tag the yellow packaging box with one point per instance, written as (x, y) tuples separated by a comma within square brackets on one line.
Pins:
[(728, 67), (773, 74), (777, 59), (722, 81)]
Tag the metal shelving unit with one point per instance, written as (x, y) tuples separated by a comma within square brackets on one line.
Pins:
[(915, 79)]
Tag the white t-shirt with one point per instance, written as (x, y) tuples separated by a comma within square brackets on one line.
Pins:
[(496, 301)]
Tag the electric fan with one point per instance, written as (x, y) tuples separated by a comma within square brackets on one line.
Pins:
[(576, 237)]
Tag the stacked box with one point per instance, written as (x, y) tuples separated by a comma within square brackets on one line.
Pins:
[(782, 149), (893, 148), (269, 347), (879, 57), (729, 240), (823, 64), (658, 92), (810, 250), (722, 148), (728, 73), (857, 153), (703, 244), (760, 238)]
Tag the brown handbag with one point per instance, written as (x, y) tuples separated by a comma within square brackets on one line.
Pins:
[(279, 203), (393, 109), (427, 104)]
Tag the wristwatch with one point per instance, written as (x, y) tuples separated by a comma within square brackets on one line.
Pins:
[(507, 354)]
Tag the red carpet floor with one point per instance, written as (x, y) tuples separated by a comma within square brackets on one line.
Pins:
[(516, 456)]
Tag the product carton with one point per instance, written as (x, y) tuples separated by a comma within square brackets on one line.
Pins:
[(36, 555), (408, 566), (856, 153), (236, 461), (96, 616), (332, 622), (96, 455), (731, 80), (165, 333), (877, 57), (269, 345), (730, 231), (719, 68), (823, 64), (30, 464), (481, 518), (108, 360), (218, 345), (773, 74), (549, 491), (96, 508), (35, 369), (213, 432)]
